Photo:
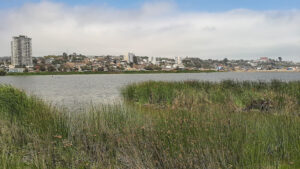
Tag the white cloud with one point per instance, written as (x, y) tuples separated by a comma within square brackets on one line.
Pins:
[(156, 29)]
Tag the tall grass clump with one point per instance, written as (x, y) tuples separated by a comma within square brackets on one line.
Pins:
[(224, 125), (36, 135), (160, 125), (272, 97)]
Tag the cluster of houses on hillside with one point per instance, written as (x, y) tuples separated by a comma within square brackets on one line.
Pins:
[(131, 62), (21, 60)]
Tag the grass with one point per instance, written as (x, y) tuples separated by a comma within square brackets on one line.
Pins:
[(34, 135), (120, 72), (228, 124), (161, 125)]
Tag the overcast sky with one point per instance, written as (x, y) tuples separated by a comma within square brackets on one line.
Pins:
[(155, 28)]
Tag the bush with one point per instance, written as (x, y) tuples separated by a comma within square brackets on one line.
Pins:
[(2, 73)]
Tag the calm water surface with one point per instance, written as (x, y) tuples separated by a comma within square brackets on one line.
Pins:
[(77, 90)]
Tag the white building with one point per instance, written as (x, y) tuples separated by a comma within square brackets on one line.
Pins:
[(16, 70), (178, 60), (152, 60), (21, 51), (129, 58)]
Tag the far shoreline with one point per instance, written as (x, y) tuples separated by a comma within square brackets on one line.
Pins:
[(147, 72), (121, 72)]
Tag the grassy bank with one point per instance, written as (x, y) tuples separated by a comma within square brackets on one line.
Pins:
[(162, 125), (35, 135), (121, 72), (225, 125)]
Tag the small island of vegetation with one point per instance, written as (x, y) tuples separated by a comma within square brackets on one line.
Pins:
[(160, 125)]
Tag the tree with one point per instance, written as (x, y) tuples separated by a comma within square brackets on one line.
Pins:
[(152, 67), (61, 68), (280, 59), (100, 69), (34, 61), (225, 61), (51, 68), (65, 56), (42, 68), (2, 72)]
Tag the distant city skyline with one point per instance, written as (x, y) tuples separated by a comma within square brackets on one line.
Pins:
[(206, 29)]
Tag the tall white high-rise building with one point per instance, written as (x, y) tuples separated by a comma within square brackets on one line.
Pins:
[(21, 51), (178, 60), (152, 60), (129, 58)]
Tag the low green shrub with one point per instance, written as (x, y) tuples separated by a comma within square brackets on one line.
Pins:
[(2, 72)]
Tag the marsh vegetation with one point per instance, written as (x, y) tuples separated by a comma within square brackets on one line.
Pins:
[(160, 125)]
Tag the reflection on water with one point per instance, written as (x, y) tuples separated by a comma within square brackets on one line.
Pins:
[(77, 90)]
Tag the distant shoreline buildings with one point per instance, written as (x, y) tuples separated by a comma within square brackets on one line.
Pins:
[(21, 60)]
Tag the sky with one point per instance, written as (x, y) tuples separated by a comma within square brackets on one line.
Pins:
[(235, 29)]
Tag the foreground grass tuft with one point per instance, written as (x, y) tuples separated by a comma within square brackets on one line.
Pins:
[(162, 125)]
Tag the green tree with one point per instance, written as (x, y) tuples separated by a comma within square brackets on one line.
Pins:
[(34, 61), (51, 68), (42, 68), (225, 61), (2, 72)]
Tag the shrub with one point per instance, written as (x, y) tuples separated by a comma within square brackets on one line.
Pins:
[(2, 72)]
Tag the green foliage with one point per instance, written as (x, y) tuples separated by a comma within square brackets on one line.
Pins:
[(161, 125), (280, 97), (31, 112), (51, 68), (2, 72), (153, 67), (222, 124)]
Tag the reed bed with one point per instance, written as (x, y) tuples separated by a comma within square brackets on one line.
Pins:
[(161, 125)]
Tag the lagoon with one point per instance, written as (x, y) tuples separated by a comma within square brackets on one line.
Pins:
[(74, 91)]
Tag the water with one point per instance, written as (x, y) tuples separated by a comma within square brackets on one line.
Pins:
[(77, 90)]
